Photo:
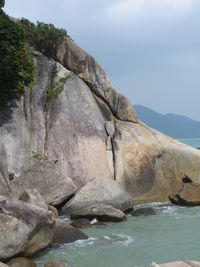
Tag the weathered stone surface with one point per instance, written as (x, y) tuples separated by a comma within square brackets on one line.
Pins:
[(177, 264), (99, 191), (189, 195), (71, 130), (143, 212), (65, 233), (151, 165), (33, 197), (3, 265), (81, 223), (46, 177), (4, 177), (21, 262), (53, 210), (55, 264), (77, 60), (24, 228), (101, 212)]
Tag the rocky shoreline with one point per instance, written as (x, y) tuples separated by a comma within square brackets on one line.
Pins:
[(84, 154)]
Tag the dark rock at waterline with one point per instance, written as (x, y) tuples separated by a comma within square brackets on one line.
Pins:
[(21, 262), (81, 223), (55, 264), (143, 212), (65, 233), (100, 212), (189, 195)]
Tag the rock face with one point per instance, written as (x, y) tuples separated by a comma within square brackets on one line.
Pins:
[(99, 191), (33, 197), (77, 60), (21, 262), (177, 264), (24, 228), (65, 233), (189, 195), (101, 212), (89, 130), (46, 177)]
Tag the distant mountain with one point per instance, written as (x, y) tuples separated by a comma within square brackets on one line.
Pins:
[(176, 126)]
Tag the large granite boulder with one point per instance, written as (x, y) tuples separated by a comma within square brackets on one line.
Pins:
[(33, 197), (101, 212), (151, 165), (99, 191), (24, 228), (189, 195), (88, 130), (21, 262), (70, 55), (46, 177)]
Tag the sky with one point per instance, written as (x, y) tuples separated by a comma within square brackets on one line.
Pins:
[(149, 48)]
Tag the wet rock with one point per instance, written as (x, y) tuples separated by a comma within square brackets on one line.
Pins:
[(143, 212), (65, 233), (21, 262), (46, 177), (81, 223), (101, 212), (177, 264), (24, 228), (55, 264), (189, 195), (33, 197), (99, 191)]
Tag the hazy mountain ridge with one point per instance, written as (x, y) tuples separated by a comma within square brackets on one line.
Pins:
[(176, 126)]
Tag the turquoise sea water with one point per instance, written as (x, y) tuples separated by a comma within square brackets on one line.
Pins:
[(172, 234)]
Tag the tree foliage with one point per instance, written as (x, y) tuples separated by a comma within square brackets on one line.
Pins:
[(43, 37), (16, 62), (2, 3)]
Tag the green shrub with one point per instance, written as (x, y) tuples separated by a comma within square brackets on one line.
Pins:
[(2, 3), (38, 156), (16, 61), (57, 86), (43, 37)]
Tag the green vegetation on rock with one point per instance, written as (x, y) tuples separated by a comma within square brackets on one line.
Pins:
[(17, 39), (57, 85), (43, 37), (16, 61)]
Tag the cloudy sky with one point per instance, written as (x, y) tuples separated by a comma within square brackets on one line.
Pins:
[(149, 48)]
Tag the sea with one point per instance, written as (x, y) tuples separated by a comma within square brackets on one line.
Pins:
[(170, 235)]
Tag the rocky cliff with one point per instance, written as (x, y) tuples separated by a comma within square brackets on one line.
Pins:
[(75, 117)]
